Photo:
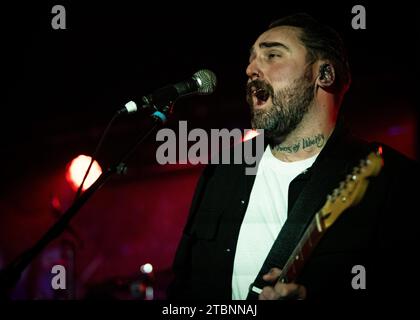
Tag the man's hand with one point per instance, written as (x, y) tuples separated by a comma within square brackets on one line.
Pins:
[(281, 290)]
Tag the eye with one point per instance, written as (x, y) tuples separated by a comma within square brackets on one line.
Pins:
[(273, 55)]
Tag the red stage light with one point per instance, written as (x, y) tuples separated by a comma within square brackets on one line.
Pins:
[(76, 171)]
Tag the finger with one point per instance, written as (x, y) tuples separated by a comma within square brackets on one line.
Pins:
[(272, 275), (268, 293), (290, 291)]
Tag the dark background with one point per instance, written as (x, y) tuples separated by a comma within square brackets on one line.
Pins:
[(63, 86)]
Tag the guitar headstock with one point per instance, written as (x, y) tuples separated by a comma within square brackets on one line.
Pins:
[(351, 190)]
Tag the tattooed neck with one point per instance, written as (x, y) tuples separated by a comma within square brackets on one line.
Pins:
[(308, 143)]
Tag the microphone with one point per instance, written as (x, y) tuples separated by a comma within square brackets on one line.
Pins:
[(201, 83)]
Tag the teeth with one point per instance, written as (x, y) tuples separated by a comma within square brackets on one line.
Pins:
[(255, 91)]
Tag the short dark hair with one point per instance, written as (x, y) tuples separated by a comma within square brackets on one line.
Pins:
[(321, 42)]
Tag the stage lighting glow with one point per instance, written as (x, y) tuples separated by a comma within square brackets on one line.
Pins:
[(250, 134), (146, 268), (76, 171)]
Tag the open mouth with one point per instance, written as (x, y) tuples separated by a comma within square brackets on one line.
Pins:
[(258, 93), (260, 96)]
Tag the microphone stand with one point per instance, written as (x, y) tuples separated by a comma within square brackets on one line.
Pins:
[(11, 274)]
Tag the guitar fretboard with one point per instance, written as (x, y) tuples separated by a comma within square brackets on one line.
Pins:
[(303, 250)]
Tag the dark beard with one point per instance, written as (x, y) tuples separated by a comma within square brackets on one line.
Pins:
[(289, 105)]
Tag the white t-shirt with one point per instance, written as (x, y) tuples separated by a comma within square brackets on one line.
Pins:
[(265, 216)]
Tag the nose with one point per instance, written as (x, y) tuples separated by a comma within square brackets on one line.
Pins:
[(253, 71)]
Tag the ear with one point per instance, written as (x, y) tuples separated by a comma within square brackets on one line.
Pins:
[(326, 75)]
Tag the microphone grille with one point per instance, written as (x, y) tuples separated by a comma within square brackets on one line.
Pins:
[(206, 80)]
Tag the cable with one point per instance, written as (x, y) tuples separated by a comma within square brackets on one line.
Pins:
[(95, 154)]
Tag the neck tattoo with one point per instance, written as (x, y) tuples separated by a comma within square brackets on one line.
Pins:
[(317, 141)]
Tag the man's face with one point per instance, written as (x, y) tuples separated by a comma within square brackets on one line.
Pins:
[(280, 88)]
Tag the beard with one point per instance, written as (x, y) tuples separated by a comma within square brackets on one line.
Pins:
[(288, 107)]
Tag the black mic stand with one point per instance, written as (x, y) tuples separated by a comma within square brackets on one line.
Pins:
[(11, 274)]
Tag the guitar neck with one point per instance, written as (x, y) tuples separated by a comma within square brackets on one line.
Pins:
[(303, 249), (347, 194)]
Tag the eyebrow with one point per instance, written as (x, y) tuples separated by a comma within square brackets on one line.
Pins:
[(269, 44)]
